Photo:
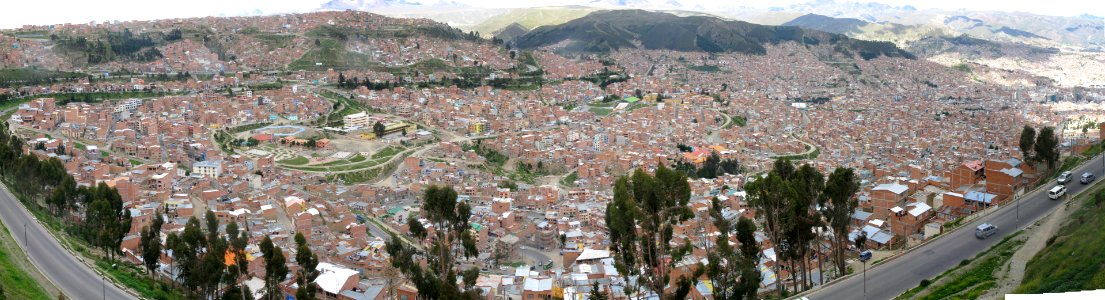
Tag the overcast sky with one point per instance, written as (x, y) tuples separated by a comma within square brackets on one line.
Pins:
[(20, 12)]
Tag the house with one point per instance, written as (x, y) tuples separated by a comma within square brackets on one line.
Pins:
[(537, 288), (967, 173), (886, 196), (333, 279)]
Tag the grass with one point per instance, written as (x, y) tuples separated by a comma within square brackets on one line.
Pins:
[(135, 278), (15, 280), (388, 152), (331, 54), (705, 68), (601, 111), (739, 121), (1073, 258), (570, 180), (79, 146), (135, 162), (130, 276), (297, 161), (974, 280)]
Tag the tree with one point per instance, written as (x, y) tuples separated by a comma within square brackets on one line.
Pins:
[(803, 216), (733, 271), (436, 278), (839, 203), (151, 242), (307, 261), (275, 269), (596, 292), (1028, 143), (771, 196), (378, 129), (641, 219), (1047, 147)]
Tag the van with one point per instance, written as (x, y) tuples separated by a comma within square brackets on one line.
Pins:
[(985, 230), (1057, 192)]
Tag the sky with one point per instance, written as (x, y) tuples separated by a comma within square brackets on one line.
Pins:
[(18, 13)]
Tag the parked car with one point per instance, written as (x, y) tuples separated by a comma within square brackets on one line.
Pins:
[(985, 230), (1065, 177), (1057, 192), (1087, 178)]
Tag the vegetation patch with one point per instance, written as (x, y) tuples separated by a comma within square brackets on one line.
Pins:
[(297, 161), (972, 282), (1073, 260), (15, 282)]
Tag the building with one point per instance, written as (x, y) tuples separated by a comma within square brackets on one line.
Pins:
[(333, 279), (361, 120), (207, 169), (128, 105)]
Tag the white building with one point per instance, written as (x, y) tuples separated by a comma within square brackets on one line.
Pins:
[(207, 168), (361, 120)]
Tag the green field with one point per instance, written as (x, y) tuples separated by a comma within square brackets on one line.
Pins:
[(16, 283), (297, 161)]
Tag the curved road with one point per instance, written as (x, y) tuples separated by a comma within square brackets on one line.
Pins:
[(890, 279), (72, 277)]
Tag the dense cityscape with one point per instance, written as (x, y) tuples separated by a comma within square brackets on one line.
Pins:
[(346, 154)]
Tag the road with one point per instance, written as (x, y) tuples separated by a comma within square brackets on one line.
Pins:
[(74, 278), (890, 279)]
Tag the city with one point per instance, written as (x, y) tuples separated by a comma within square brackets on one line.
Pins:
[(388, 150)]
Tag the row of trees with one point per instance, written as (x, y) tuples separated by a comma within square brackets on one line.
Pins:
[(199, 259), (711, 168), (93, 213), (435, 270), (646, 208), (1040, 147), (788, 199), (641, 219)]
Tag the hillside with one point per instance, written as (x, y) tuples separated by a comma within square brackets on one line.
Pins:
[(532, 18), (827, 24), (1073, 258), (611, 30)]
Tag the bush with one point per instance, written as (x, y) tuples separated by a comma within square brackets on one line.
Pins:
[(964, 262), (925, 282), (1050, 240)]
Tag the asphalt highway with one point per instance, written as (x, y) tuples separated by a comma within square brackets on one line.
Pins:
[(74, 278), (894, 277)]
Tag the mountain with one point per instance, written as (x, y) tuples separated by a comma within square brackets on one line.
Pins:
[(1085, 31), (827, 24), (368, 5), (611, 30), (532, 17), (510, 32)]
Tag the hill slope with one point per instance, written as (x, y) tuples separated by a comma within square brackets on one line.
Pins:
[(827, 24), (611, 30)]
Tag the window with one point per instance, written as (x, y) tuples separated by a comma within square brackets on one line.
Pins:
[(404, 297)]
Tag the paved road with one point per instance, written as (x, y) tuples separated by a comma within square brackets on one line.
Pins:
[(74, 278), (892, 278)]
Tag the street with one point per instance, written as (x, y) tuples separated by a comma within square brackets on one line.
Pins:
[(890, 279), (74, 278)]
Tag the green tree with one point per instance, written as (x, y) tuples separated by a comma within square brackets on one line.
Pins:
[(436, 278), (1028, 143), (596, 292), (276, 269), (839, 203), (641, 219), (802, 217), (378, 129), (771, 197), (151, 242), (307, 261), (1047, 147), (733, 271)]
